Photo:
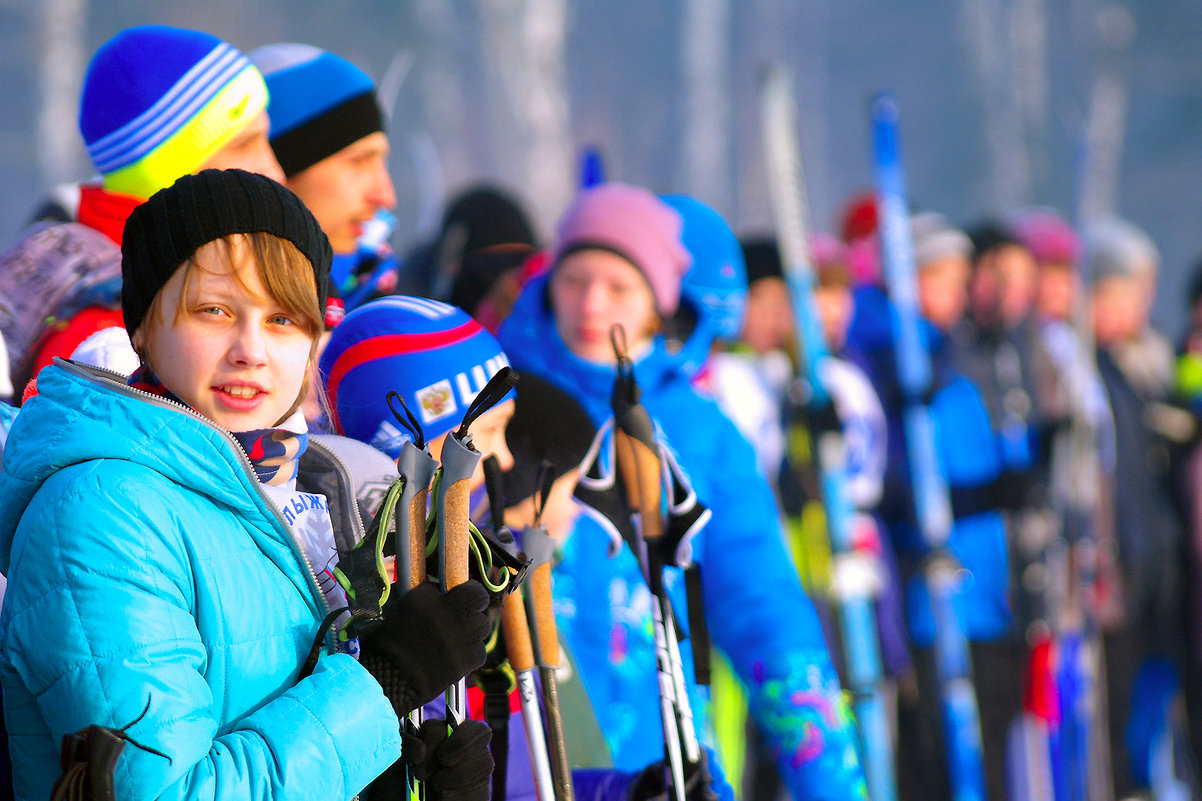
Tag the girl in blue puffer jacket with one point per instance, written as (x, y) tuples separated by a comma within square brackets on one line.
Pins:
[(167, 539), (618, 260)]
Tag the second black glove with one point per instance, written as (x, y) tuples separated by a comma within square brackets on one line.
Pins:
[(427, 641)]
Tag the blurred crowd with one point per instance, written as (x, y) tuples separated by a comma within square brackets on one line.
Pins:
[(1064, 425)]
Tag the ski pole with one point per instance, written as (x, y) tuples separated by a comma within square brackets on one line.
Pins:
[(856, 582), (539, 548), (417, 467), (521, 657), (641, 471), (452, 503), (961, 716), (519, 648)]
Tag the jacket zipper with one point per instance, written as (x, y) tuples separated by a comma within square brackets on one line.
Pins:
[(89, 372)]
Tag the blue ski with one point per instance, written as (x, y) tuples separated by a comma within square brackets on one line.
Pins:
[(855, 584), (960, 714)]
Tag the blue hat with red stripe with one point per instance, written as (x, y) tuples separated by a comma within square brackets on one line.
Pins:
[(433, 355)]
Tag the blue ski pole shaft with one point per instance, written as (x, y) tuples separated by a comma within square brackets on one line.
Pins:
[(961, 716), (856, 581)]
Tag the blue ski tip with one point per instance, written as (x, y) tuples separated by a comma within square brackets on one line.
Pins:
[(592, 168)]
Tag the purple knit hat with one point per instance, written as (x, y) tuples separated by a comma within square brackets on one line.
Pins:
[(636, 225)]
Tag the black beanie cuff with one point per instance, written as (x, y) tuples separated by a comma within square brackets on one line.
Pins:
[(327, 133), (165, 231)]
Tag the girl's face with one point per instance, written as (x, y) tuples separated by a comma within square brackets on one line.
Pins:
[(223, 344), (591, 292)]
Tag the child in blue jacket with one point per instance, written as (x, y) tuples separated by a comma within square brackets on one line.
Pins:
[(618, 259), (162, 536)]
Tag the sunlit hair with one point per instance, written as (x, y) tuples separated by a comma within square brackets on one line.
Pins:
[(287, 276), (282, 269)]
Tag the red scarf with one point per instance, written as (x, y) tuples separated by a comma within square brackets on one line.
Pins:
[(105, 211)]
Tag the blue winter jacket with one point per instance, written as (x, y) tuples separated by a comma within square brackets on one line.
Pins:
[(755, 608), (147, 570), (970, 459)]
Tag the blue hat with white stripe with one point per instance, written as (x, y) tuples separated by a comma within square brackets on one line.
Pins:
[(433, 355), (158, 102)]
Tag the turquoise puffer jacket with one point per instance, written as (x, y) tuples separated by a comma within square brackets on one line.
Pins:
[(147, 570)]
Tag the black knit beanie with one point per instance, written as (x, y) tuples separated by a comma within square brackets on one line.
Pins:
[(166, 230)]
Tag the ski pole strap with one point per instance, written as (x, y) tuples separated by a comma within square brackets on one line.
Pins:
[(361, 572), (543, 484), (497, 685), (407, 420), (497, 388), (496, 497), (699, 633)]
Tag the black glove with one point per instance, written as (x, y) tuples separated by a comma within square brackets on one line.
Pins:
[(427, 641), (455, 766), (652, 783), (392, 784)]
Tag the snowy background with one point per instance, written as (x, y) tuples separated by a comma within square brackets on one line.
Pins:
[(994, 96)]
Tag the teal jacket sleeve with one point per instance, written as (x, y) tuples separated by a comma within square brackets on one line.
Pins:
[(126, 595)]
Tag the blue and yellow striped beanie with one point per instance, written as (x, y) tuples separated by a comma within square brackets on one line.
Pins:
[(158, 102)]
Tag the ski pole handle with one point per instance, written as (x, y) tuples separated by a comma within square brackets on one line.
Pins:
[(459, 460), (517, 633), (544, 615), (418, 467), (639, 466), (539, 548), (521, 658)]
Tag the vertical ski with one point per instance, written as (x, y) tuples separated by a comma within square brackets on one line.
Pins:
[(952, 661), (856, 574)]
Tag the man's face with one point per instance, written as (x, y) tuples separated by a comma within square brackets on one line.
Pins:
[(768, 321), (249, 150), (943, 291), (1118, 309), (345, 190)]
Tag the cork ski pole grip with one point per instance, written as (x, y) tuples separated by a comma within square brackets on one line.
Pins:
[(417, 538), (517, 633), (459, 460), (544, 615), (456, 533), (418, 468), (639, 466)]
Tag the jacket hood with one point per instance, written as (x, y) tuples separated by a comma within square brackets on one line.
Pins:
[(82, 414), (532, 343)]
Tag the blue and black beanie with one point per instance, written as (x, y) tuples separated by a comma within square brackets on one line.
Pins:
[(319, 103)]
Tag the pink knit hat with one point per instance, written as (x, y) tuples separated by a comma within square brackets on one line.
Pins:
[(635, 224)]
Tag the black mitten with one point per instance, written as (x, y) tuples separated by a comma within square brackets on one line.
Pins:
[(651, 783), (457, 765), (428, 641), (392, 784)]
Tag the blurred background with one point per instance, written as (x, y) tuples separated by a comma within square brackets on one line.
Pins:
[(996, 97)]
